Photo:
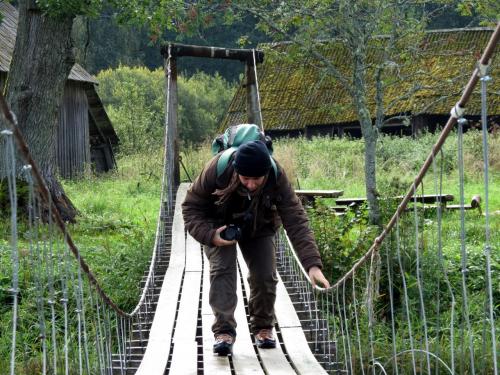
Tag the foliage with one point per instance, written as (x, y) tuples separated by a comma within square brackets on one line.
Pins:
[(337, 163), (111, 33), (135, 100), (342, 239), (488, 11), (118, 213), (105, 43), (203, 100), (357, 25), (21, 196)]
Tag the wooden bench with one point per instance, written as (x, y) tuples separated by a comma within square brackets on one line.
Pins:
[(474, 204), (427, 198), (309, 196)]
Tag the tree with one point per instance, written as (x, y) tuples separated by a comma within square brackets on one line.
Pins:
[(135, 102), (388, 29), (41, 62)]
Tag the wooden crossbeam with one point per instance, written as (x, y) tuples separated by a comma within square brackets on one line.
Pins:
[(244, 55)]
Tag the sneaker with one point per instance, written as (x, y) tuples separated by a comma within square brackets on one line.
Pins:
[(223, 344), (264, 339)]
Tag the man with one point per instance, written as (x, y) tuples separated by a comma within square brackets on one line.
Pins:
[(255, 196)]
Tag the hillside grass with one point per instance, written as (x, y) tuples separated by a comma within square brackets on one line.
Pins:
[(118, 210)]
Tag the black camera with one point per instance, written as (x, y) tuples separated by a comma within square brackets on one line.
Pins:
[(231, 233)]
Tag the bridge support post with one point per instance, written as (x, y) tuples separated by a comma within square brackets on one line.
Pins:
[(172, 172), (174, 122), (252, 98)]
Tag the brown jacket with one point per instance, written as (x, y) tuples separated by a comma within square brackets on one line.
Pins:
[(277, 204)]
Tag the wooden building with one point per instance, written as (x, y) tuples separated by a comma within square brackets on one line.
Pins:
[(299, 99), (85, 135)]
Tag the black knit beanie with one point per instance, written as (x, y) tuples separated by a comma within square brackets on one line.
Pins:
[(252, 159)]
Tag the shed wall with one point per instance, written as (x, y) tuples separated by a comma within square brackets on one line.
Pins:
[(73, 150), (3, 77)]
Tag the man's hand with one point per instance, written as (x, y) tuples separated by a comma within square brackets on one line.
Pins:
[(317, 276), (218, 241)]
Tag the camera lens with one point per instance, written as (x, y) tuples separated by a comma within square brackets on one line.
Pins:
[(231, 233)]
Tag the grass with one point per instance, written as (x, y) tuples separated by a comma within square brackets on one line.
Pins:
[(118, 210), (117, 223)]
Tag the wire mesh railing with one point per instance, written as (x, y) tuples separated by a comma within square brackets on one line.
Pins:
[(60, 318), (422, 299), (404, 308)]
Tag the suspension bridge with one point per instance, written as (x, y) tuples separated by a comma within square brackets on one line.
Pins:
[(376, 319)]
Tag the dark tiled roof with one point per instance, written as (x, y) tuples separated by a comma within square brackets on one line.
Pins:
[(295, 94), (8, 30)]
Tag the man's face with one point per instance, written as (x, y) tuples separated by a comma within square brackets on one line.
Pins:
[(251, 183)]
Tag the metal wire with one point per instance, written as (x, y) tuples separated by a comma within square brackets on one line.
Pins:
[(10, 168), (487, 243), (257, 89), (420, 281), (36, 261), (344, 313), (463, 251)]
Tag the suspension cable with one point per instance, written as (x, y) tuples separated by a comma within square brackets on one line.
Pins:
[(258, 90), (45, 194), (485, 58), (487, 246)]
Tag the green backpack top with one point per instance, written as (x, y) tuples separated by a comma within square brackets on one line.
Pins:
[(235, 136)]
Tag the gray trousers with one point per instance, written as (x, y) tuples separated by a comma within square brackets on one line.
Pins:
[(260, 257)]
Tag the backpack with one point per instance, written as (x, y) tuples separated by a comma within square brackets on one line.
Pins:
[(235, 136)]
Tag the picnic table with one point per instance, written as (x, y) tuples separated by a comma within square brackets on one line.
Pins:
[(426, 198), (309, 196)]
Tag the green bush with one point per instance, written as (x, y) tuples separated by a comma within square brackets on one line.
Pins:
[(135, 102)]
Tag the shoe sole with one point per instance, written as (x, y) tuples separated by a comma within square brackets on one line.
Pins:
[(224, 351), (266, 345)]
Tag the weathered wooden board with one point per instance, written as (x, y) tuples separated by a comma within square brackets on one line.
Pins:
[(160, 336)]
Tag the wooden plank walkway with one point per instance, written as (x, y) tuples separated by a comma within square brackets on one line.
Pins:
[(160, 336), (175, 325), (185, 347)]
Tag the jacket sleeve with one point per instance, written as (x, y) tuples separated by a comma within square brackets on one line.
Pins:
[(198, 204), (296, 224)]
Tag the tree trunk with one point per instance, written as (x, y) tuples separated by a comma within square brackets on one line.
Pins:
[(41, 62), (370, 135)]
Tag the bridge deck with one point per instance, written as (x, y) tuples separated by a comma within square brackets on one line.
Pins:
[(180, 339)]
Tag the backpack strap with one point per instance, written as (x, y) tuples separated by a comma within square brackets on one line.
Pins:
[(223, 162)]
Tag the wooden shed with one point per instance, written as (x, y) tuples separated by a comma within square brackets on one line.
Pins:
[(298, 99), (85, 135)]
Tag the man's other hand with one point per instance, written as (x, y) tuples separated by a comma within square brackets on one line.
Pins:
[(316, 276), (218, 241)]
